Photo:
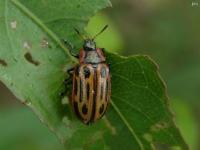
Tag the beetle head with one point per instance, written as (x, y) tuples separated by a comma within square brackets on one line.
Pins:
[(89, 45)]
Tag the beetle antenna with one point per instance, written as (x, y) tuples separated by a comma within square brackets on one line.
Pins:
[(104, 28), (80, 35)]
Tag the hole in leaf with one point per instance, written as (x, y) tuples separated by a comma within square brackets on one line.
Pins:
[(148, 137), (30, 59), (67, 122), (3, 62)]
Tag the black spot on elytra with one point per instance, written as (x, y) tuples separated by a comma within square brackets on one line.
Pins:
[(88, 91), (106, 90), (30, 59), (101, 93), (3, 63), (101, 109), (84, 109), (103, 72), (87, 72)]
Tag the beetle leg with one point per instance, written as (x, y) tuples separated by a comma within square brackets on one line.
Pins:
[(70, 47), (70, 71), (109, 64), (103, 50), (67, 82), (63, 93)]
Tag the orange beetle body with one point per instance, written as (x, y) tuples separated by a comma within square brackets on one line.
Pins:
[(91, 88)]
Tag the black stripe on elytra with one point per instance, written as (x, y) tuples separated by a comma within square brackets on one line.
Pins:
[(76, 110), (101, 92), (81, 90), (75, 86), (88, 91), (77, 71), (101, 109), (107, 90), (106, 107), (94, 95)]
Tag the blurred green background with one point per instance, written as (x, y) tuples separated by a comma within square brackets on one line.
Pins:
[(167, 30)]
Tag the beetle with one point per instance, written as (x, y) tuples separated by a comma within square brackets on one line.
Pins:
[(91, 82)]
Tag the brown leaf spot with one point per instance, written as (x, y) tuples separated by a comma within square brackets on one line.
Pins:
[(27, 45), (159, 126), (148, 137), (30, 59), (67, 122), (44, 43), (13, 24), (3, 63), (65, 100)]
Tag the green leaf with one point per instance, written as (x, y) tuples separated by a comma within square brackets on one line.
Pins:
[(27, 131), (140, 101), (33, 63), (187, 124), (63, 16)]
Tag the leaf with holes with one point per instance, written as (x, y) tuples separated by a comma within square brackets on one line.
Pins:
[(33, 63), (63, 16)]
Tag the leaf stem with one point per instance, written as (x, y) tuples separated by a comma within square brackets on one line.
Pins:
[(43, 27), (128, 125)]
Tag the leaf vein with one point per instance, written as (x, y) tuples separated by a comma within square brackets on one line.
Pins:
[(43, 27), (142, 113), (128, 125), (59, 19)]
